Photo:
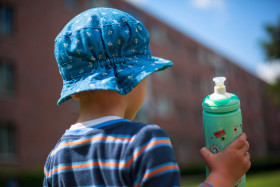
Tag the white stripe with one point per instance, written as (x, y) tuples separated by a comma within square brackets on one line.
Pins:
[(92, 123)]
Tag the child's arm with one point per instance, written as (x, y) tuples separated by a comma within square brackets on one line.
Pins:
[(228, 166)]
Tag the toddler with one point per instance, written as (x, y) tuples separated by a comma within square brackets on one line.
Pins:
[(104, 57)]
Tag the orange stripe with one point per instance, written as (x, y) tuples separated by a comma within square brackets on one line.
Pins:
[(108, 164), (149, 145), (88, 140), (135, 155), (147, 175)]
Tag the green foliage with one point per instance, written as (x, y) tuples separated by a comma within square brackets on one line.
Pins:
[(271, 48), (272, 45), (267, 178), (273, 91), (263, 171), (22, 178)]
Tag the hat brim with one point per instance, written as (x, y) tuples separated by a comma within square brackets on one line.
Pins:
[(121, 79)]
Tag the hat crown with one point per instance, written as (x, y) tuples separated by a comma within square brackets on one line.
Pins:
[(99, 37)]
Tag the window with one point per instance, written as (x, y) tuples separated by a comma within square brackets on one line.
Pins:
[(165, 76), (137, 15), (74, 105), (72, 4), (6, 20), (218, 64), (142, 115), (99, 3), (6, 78), (158, 34), (206, 86), (146, 112), (202, 56), (164, 106), (7, 141), (175, 42)]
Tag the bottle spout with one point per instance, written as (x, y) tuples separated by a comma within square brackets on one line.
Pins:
[(219, 85)]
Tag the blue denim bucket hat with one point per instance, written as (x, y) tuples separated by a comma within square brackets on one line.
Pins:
[(104, 49)]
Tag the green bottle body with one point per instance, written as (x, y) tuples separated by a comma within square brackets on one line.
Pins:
[(222, 123)]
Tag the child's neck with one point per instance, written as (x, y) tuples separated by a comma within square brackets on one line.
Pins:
[(87, 114), (98, 107)]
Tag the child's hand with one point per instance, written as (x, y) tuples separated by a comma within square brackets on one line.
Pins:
[(228, 166)]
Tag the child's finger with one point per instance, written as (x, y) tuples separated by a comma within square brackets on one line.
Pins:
[(245, 147), (239, 142), (247, 159), (205, 154), (247, 156)]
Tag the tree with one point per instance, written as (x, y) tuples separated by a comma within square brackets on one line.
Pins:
[(271, 48)]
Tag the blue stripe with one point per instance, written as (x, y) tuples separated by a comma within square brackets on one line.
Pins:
[(93, 142), (96, 135), (109, 123), (149, 148), (111, 160), (83, 169), (160, 166), (87, 162), (151, 140), (161, 173), (86, 130)]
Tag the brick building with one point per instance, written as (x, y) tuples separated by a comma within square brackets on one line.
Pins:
[(31, 122)]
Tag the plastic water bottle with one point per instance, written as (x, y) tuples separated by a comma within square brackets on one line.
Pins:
[(222, 121)]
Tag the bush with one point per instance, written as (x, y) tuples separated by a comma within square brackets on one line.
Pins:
[(23, 178)]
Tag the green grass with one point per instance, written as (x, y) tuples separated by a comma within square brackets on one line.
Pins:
[(253, 179), (263, 179)]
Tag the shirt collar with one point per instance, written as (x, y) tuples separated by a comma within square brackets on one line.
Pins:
[(91, 123)]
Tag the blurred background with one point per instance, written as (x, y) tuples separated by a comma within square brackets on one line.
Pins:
[(204, 38)]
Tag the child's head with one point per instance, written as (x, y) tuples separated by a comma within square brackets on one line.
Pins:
[(104, 49)]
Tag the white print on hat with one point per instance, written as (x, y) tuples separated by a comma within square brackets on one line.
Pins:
[(110, 32)]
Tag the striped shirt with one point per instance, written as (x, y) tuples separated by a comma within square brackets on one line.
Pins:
[(112, 152)]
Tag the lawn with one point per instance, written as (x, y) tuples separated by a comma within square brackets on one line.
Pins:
[(269, 178)]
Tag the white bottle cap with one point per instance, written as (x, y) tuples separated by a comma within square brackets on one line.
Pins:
[(219, 85)]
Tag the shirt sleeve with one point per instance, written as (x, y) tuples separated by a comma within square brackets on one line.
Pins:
[(46, 182), (154, 159)]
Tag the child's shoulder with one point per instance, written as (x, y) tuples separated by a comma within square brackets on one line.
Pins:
[(149, 127), (146, 131), (142, 127)]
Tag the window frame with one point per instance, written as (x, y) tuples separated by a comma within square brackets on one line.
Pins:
[(7, 92), (11, 29), (8, 149)]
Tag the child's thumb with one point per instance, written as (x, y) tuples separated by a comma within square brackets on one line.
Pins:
[(205, 154)]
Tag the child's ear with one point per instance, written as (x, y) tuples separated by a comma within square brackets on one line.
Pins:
[(75, 96)]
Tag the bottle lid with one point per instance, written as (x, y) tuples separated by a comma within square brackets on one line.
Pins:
[(220, 101), (222, 105)]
